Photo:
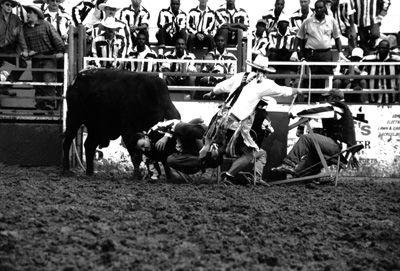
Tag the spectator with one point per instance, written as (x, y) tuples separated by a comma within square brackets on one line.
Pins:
[(235, 120), (211, 81), (280, 48), (181, 54), (355, 84), (171, 24), (58, 18), (343, 12), (220, 53), (137, 19), (260, 40), (109, 44), (300, 15), (81, 10), (43, 40), (316, 33), (272, 16), (142, 51), (231, 20), (383, 54), (368, 17), (12, 41), (338, 128), (201, 27)]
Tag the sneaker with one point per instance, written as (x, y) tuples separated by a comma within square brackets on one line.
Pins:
[(226, 180), (285, 169)]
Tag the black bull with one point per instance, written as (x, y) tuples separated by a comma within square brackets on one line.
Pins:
[(113, 103)]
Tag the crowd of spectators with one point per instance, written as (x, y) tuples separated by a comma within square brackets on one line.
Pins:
[(123, 32)]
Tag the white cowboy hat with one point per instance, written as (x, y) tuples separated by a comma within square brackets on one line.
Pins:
[(12, 2), (261, 63), (111, 23), (47, 1), (109, 4)]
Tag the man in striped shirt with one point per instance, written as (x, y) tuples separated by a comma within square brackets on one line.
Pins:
[(142, 51), (58, 18), (230, 21), (201, 26), (220, 53), (171, 24), (383, 54), (272, 16), (137, 19), (368, 17), (300, 15)]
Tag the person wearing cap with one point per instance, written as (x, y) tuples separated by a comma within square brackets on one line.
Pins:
[(43, 40), (273, 15), (280, 47), (58, 18), (137, 18), (300, 15), (337, 130), (237, 115), (357, 55), (108, 43), (12, 41), (221, 53), (260, 39), (230, 21), (315, 37), (384, 55)]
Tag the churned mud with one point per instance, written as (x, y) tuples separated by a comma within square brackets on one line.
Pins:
[(111, 222)]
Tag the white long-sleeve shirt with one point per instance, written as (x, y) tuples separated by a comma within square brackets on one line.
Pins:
[(251, 93)]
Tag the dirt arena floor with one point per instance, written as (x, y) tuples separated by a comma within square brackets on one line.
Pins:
[(111, 222)]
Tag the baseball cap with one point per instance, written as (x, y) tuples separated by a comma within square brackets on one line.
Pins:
[(334, 92)]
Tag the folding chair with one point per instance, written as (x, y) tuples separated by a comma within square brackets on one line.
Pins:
[(340, 159)]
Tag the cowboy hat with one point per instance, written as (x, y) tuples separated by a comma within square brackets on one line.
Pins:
[(12, 2), (109, 4), (111, 23), (47, 1), (261, 63), (36, 10)]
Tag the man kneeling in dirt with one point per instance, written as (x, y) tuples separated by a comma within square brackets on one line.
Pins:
[(237, 114), (180, 141)]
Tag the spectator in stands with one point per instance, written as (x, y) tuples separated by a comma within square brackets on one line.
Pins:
[(109, 44), (260, 39), (272, 16), (137, 19), (58, 18), (352, 83), (300, 15), (214, 68), (316, 34), (94, 16), (230, 21), (142, 51), (12, 41), (171, 24), (221, 53), (181, 54), (368, 17), (201, 26), (343, 12), (43, 40), (338, 128), (383, 54), (81, 10), (280, 48)]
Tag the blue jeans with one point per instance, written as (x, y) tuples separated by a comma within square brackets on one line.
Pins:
[(304, 154)]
